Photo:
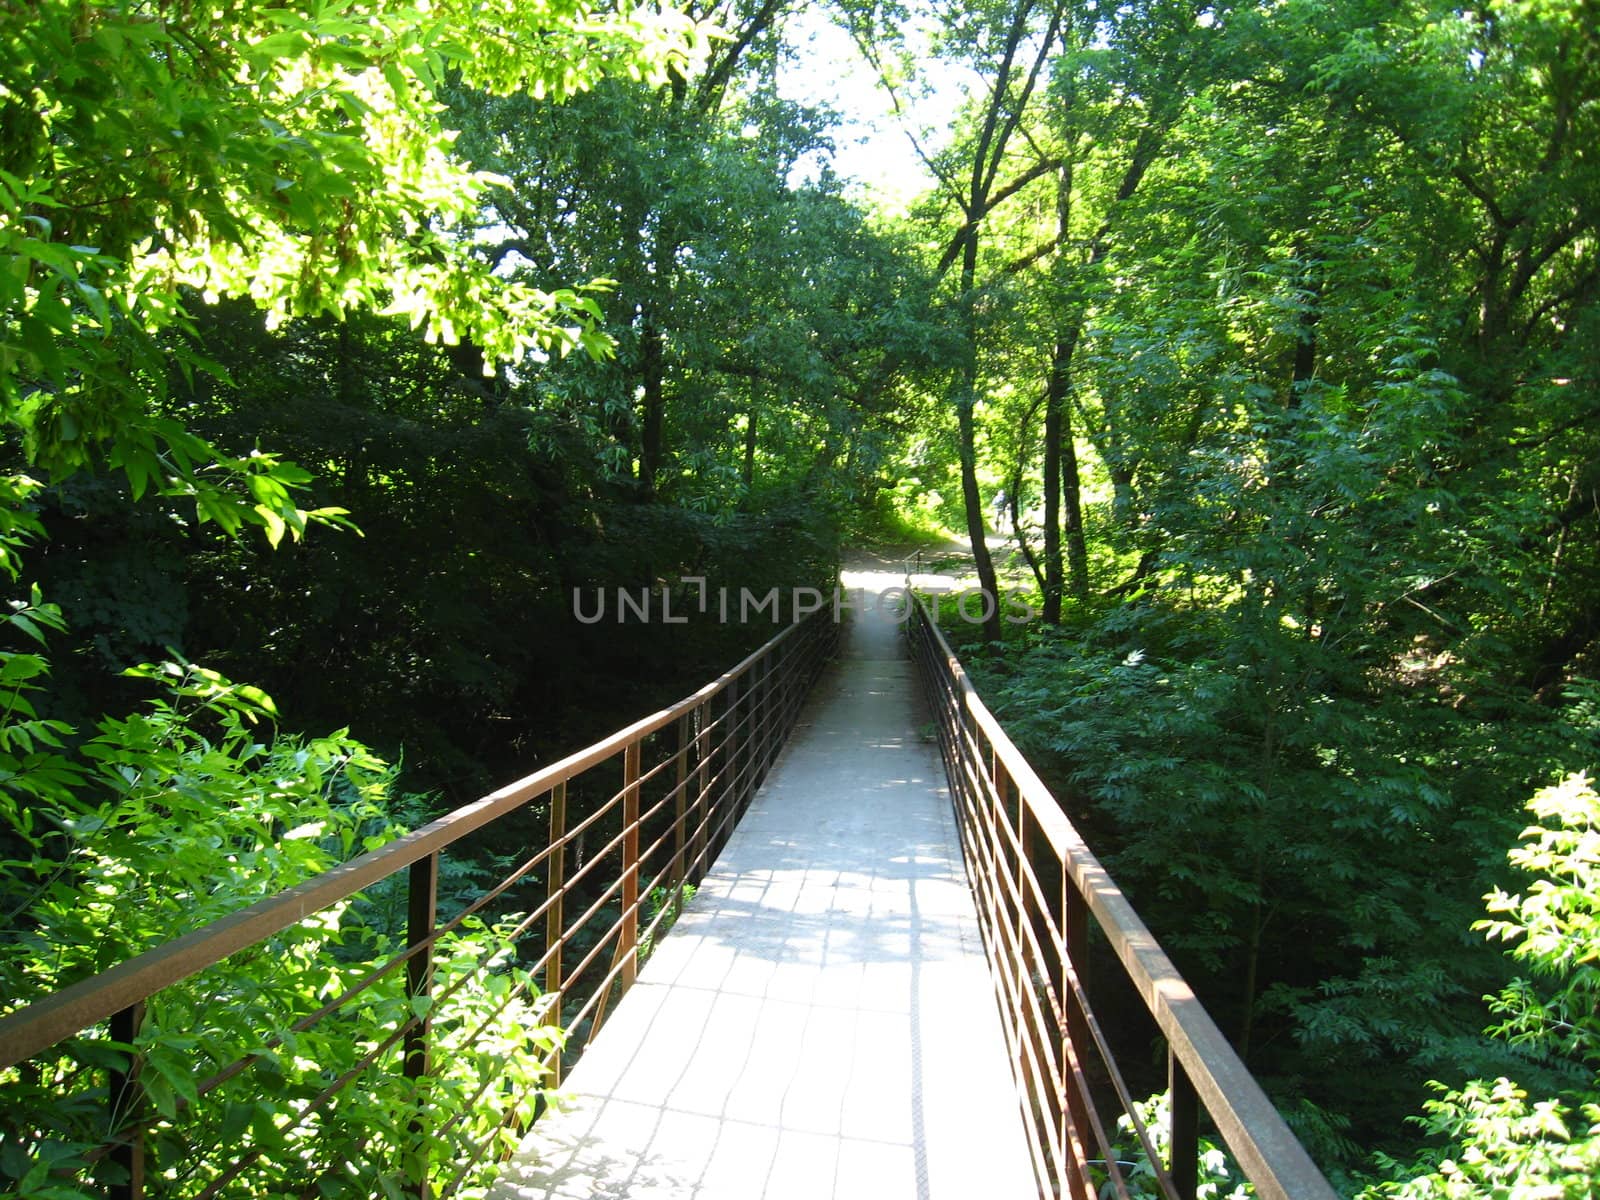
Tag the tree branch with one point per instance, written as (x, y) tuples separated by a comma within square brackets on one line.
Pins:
[(1585, 284), (709, 94), (1529, 265), (1023, 261), (1488, 201), (1014, 115), (991, 202)]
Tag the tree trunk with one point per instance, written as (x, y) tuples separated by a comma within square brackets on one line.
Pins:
[(1062, 473), (1304, 367), (651, 373), (974, 505), (750, 448), (1008, 97), (966, 402), (1052, 505), (1072, 502), (1054, 412), (1124, 498), (1018, 532)]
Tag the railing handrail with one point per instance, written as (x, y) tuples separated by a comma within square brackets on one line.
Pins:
[(90, 1001), (1247, 1120)]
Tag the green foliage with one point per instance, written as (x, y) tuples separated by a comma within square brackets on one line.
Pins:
[(1310, 291), (1505, 1147), (1313, 289), (754, 317), (1218, 1177), (1555, 927), (661, 901), (294, 157), (196, 210), (1500, 1143), (179, 815), (1268, 825), (33, 767)]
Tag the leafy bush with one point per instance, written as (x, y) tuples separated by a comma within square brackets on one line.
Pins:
[(171, 818), (1218, 1177), (1309, 845), (1500, 1143)]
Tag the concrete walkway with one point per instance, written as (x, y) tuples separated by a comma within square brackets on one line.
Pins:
[(820, 1023)]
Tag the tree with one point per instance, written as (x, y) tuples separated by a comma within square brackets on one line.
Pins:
[(750, 309), (1009, 46), (155, 159), (298, 160)]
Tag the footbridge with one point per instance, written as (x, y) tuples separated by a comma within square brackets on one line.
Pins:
[(817, 930)]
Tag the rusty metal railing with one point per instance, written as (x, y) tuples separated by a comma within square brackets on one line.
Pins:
[(1038, 888), (679, 781)]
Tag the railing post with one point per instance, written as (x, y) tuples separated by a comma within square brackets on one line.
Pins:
[(124, 1101), (751, 694), (734, 744), (421, 907), (985, 809), (797, 674), (1075, 963), (680, 808), (971, 748), (754, 749), (702, 821), (1004, 788), (1185, 1131), (555, 919), (777, 697), (630, 865), (758, 722), (765, 708), (780, 691)]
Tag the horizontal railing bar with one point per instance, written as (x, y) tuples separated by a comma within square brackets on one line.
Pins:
[(538, 914), (650, 886), (606, 937), (648, 933), (244, 1062), (1029, 876), (1056, 1013), (611, 802), (1246, 1119), (598, 904), (594, 861), (582, 826), (655, 881), (740, 776), (645, 777), (322, 1098), (1041, 1082), (483, 1145), (997, 925), (722, 813), (753, 729), (701, 832), (615, 928), (90, 1001), (602, 990), (467, 1107)]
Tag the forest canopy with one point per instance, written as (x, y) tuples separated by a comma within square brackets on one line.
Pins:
[(341, 341)]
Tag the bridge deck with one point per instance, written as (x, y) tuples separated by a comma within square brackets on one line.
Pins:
[(820, 1023)]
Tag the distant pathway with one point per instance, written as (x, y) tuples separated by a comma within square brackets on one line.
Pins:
[(820, 1023)]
